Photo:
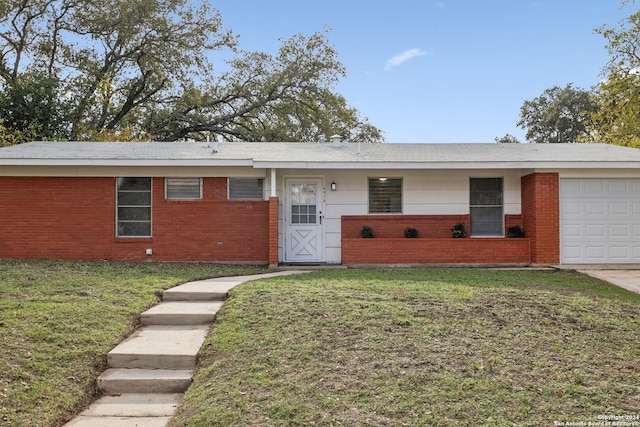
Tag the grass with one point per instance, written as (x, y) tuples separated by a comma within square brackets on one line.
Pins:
[(419, 347), (58, 320)]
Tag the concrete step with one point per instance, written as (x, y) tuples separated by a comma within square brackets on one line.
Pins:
[(164, 352), (135, 380), (215, 289), (159, 347), (201, 290), (149, 405), (119, 422), (181, 313)]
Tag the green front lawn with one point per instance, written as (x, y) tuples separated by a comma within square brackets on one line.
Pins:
[(419, 347), (58, 320)]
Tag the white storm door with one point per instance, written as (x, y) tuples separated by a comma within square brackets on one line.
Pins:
[(303, 221)]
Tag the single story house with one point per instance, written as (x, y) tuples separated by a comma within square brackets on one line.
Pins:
[(288, 203)]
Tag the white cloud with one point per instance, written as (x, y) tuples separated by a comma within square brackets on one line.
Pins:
[(439, 5), (404, 57)]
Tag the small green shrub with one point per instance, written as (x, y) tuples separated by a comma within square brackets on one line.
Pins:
[(458, 230), (410, 233), (515, 231), (366, 232)]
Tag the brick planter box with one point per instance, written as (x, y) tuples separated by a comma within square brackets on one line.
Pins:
[(436, 251)]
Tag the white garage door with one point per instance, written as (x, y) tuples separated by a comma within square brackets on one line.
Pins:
[(599, 221)]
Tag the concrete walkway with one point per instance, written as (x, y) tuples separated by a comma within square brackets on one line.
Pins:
[(150, 370), (628, 279), (626, 276)]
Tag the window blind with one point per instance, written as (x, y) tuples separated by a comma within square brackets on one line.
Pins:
[(385, 195), (246, 188), (183, 188), (486, 206)]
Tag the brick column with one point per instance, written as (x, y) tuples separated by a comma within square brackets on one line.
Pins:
[(540, 197), (273, 231)]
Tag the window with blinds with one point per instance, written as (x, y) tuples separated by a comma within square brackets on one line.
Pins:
[(486, 207), (385, 195), (183, 188), (246, 188), (133, 207)]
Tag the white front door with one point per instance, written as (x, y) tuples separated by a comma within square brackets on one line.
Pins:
[(303, 221)]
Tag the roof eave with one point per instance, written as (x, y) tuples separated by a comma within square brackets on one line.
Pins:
[(448, 165), (344, 165), (127, 162)]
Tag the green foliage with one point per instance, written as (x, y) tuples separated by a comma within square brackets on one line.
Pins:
[(288, 97), (458, 230), (366, 232), (32, 108), (515, 231), (12, 137), (617, 119), (507, 139), (557, 115), (140, 69), (410, 232)]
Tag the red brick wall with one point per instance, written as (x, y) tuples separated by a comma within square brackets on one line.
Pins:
[(74, 218), (541, 216), (434, 244), (431, 226), (388, 226), (273, 231), (435, 251)]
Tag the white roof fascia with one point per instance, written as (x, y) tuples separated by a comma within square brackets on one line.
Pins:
[(446, 165), (357, 165), (128, 162)]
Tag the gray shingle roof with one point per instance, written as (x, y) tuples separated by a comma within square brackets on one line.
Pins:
[(321, 155)]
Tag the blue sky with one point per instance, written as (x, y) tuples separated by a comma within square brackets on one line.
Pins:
[(445, 70)]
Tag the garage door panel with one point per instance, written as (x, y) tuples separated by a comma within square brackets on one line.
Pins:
[(617, 186), (595, 252), (619, 230), (600, 220), (594, 208), (572, 231), (619, 252), (593, 186), (573, 208), (619, 208), (570, 186), (572, 254), (594, 230)]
